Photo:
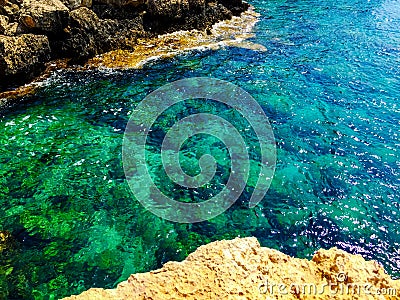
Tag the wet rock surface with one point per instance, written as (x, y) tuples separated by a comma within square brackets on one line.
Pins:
[(34, 32)]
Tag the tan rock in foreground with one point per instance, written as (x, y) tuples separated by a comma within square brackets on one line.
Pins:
[(241, 269)]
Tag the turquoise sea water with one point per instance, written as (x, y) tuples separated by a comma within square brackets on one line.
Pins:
[(329, 83)]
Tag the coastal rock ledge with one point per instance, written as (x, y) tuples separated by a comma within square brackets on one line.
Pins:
[(35, 32), (242, 269)]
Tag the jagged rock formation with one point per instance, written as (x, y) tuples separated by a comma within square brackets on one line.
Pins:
[(241, 269), (22, 56), (45, 16), (81, 29)]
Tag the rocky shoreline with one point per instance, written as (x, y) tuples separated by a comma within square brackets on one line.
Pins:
[(242, 269), (35, 32)]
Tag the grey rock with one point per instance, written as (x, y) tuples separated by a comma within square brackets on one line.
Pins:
[(44, 15)]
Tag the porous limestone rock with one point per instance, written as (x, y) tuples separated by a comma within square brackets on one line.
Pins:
[(235, 6), (168, 9), (85, 19), (174, 9), (89, 35), (13, 29), (23, 55), (9, 8), (74, 4), (44, 15), (3, 23), (241, 269), (167, 16), (123, 2), (78, 30)]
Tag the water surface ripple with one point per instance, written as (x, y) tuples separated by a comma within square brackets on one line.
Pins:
[(329, 83)]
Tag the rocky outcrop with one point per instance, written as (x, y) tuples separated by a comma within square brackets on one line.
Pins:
[(74, 4), (21, 57), (44, 16), (89, 35), (9, 8), (173, 9), (234, 32), (235, 6), (133, 3), (241, 269), (80, 29), (3, 23), (185, 14)]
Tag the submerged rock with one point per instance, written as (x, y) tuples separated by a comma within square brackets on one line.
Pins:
[(242, 269)]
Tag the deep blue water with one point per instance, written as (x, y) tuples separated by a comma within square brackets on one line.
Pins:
[(329, 83)]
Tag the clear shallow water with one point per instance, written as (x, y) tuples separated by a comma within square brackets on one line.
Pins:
[(329, 83)]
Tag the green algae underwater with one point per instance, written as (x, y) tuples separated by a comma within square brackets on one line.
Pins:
[(329, 83)]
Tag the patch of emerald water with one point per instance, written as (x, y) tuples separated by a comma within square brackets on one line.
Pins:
[(329, 86), (197, 146), (77, 225), (65, 199)]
